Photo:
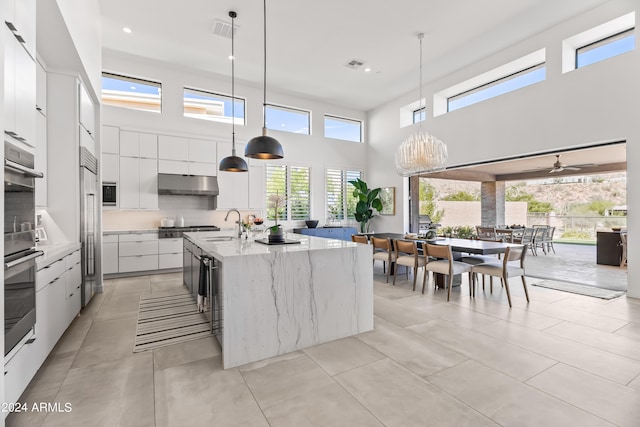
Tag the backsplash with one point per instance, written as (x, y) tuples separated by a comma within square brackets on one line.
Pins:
[(195, 210)]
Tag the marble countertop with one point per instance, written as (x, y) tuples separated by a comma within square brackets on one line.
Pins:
[(54, 252), (237, 247)]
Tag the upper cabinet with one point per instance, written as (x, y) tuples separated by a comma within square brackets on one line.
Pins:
[(110, 138), (186, 156), (137, 144), (20, 17), (41, 89), (87, 112)]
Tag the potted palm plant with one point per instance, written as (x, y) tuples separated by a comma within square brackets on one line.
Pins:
[(368, 200)]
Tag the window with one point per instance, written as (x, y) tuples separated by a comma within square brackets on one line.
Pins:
[(341, 128), (130, 92), (288, 119), (606, 48), (515, 81), (341, 203), (419, 115), (294, 183), (200, 104)]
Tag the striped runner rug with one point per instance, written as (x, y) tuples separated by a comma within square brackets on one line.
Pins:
[(168, 319)]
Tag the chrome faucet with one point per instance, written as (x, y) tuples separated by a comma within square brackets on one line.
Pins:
[(239, 221)]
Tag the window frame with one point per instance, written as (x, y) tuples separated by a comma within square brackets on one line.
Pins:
[(360, 124), (346, 191), (290, 109), (134, 80), (241, 121), (629, 32), (289, 199), (495, 83), (421, 111)]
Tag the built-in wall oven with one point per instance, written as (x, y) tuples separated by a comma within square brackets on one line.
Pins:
[(20, 253)]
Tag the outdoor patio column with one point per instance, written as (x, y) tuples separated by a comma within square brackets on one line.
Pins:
[(492, 203)]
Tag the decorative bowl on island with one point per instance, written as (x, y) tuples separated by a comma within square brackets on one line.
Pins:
[(311, 223)]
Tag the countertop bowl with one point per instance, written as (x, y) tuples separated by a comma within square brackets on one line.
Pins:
[(616, 228), (311, 223)]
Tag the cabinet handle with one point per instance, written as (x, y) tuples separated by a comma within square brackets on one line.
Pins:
[(11, 26), (19, 38), (38, 108), (30, 341), (70, 295)]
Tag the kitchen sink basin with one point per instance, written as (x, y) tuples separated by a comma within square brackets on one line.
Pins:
[(218, 239)]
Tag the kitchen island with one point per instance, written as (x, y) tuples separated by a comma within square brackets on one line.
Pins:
[(275, 299)]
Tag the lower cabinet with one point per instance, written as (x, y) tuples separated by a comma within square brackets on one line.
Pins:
[(57, 304), (110, 254), (137, 252), (169, 253)]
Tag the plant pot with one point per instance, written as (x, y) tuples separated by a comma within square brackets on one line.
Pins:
[(276, 236)]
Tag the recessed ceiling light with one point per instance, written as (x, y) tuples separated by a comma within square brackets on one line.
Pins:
[(366, 70), (127, 30)]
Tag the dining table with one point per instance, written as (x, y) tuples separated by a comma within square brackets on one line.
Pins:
[(458, 247)]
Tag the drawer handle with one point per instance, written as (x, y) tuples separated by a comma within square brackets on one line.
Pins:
[(70, 295), (30, 341)]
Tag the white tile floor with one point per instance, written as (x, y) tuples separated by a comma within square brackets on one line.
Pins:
[(561, 360)]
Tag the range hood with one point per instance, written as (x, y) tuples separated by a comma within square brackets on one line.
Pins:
[(187, 185)]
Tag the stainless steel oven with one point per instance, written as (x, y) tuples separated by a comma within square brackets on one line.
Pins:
[(19, 244)]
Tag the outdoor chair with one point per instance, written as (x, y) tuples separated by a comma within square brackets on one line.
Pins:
[(486, 233), (505, 269), (548, 239), (407, 254), (444, 264), (382, 252), (527, 239), (539, 239)]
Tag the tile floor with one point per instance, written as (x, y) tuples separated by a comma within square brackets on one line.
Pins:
[(562, 360)]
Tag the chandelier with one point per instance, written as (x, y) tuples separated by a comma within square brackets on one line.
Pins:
[(421, 152)]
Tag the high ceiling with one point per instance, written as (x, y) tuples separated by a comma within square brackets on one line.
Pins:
[(310, 42)]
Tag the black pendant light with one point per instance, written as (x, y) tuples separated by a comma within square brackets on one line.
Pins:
[(233, 163), (264, 147)]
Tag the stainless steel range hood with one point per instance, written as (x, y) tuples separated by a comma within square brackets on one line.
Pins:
[(187, 185)]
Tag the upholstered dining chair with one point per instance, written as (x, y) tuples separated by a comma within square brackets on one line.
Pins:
[(407, 254), (359, 238), (505, 269), (444, 264), (382, 251)]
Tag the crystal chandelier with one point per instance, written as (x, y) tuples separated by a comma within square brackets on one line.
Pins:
[(421, 152)]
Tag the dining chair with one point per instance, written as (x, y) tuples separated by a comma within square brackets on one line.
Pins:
[(486, 233), (548, 239), (444, 264), (539, 235), (623, 243), (407, 254), (382, 251), (359, 238), (527, 239), (505, 269)]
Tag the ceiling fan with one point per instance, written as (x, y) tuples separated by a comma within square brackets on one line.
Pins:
[(558, 166)]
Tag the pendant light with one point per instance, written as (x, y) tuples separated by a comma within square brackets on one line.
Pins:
[(421, 152), (264, 147), (233, 163)]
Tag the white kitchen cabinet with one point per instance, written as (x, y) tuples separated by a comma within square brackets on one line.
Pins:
[(138, 183), (138, 263), (206, 169), (173, 148), (87, 111), (110, 138), (41, 159), (138, 237), (148, 183), (86, 140), (202, 151), (170, 253), (177, 167), (41, 88), (137, 252), (110, 167), (24, 19), (137, 144), (73, 302), (110, 253), (19, 371), (234, 190), (20, 90), (137, 248)]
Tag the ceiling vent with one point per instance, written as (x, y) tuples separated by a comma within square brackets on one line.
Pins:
[(354, 64), (222, 28)]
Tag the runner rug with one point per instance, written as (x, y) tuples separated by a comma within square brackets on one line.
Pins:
[(168, 319)]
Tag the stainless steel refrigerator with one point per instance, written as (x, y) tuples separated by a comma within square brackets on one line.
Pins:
[(88, 222)]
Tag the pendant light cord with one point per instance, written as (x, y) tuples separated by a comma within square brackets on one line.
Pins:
[(233, 88), (423, 109), (264, 86)]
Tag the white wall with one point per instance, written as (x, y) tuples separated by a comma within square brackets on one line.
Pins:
[(310, 150), (586, 106)]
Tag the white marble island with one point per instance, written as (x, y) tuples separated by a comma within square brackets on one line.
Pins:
[(280, 298)]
